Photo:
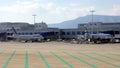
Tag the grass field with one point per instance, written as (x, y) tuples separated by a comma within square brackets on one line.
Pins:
[(59, 55)]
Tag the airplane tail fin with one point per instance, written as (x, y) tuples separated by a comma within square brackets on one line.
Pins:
[(14, 30)]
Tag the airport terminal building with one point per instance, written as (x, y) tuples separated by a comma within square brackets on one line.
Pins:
[(100, 27), (28, 29), (97, 27), (23, 28)]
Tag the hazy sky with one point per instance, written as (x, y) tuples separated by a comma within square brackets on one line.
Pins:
[(54, 11)]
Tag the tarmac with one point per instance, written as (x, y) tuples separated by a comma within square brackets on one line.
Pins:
[(59, 55)]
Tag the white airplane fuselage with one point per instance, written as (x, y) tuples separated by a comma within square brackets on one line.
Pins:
[(34, 37)]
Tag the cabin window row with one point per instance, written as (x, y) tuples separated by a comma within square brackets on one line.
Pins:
[(44, 33), (73, 33)]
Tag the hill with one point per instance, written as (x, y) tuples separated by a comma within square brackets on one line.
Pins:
[(97, 18)]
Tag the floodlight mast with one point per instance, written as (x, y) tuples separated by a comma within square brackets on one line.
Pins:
[(92, 21), (34, 15)]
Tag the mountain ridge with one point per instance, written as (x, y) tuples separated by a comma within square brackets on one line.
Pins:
[(86, 19)]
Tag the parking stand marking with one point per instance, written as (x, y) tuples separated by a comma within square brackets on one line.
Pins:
[(106, 56), (61, 59), (81, 60), (44, 60), (99, 60), (114, 54), (9, 59), (26, 59), (1, 52)]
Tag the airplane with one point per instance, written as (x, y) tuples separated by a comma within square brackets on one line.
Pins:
[(96, 38), (26, 38), (101, 38)]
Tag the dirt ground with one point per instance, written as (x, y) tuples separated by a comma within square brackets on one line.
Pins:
[(59, 55)]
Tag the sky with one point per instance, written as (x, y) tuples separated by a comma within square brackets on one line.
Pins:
[(54, 11)]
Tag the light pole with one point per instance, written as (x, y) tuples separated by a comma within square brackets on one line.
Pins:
[(92, 11), (92, 21), (34, 15)]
